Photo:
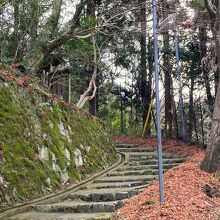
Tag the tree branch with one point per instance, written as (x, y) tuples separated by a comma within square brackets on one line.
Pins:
[(69, 33), (54, 20), (210, 7), (92, 85), (75, 23)]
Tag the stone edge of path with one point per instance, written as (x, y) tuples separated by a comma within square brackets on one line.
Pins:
[(19, 208)]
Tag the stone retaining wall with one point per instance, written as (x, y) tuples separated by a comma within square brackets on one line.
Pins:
[(44, 146)]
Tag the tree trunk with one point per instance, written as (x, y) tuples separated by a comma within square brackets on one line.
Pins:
[(191, 111), (121, 111), (93, 103), (195, 127), (217, 41), (202, 122), (203, 51), (167, 73), (175, 122), (143, 63), (214, 28), (149, 94), (91, 8), (45, 46), (35, 22), (16, 37), (216, 76), (211, 163), (175, 116), (42, 49)]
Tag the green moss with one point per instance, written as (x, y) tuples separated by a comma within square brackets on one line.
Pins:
[(28, 125), (148, 202)]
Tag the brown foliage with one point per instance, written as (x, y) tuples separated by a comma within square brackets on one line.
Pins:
[(185, 194)]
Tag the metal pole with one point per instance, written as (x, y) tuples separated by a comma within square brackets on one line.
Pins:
[(180, 85), (159, 141), (121, 109)]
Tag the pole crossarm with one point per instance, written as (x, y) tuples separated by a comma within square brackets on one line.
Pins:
[(170, 19)]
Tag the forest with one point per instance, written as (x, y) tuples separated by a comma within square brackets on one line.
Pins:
[(100, 57), (103, 54)]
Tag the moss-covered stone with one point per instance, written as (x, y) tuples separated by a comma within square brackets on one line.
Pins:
[(40, 140)]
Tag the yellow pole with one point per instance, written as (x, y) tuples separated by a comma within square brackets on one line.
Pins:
[(148, 116)]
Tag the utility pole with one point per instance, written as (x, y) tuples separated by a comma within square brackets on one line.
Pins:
[(171, 19), (180, 85), (121, 110), (159, 140)]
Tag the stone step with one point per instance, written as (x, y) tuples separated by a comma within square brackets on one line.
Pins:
[(79, 206), (148, 156), (98, 195), (143, 167), (126, 145), (110, 179), (125, 184), (61, 216), (135, 172), (95, 201), (154, 161), (134, 149)]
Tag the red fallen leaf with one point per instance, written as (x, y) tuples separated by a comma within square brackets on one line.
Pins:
[(37, 157), (15, 65), (26, 202), (42, 114), (184, 195), (163, 214), (94, 117), (1, 148), (30, 86)]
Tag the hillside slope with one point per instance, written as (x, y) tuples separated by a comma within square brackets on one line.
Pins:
[(45, 145)]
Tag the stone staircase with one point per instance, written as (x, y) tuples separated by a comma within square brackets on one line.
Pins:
[(107, 193)]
